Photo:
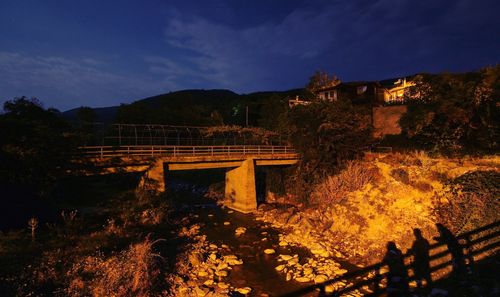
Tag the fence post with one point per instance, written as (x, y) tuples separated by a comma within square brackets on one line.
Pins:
[(101, 152), (212, 150), (152, 151), (193, 150), (244, 153)]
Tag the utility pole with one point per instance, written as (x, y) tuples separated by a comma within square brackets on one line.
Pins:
[(246, 112)]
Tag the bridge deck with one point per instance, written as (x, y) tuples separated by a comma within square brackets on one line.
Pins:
[(109, 159), (270, 151)]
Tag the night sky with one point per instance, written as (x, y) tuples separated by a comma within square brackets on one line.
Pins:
[(102, 53)]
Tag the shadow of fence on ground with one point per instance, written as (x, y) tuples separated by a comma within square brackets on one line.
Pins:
[(476, 244)]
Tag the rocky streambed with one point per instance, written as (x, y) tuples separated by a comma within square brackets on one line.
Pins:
[(236, 254)]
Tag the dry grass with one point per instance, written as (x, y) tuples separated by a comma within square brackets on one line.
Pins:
[(133, 272)]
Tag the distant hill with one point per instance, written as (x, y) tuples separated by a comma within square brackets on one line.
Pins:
[(103, 114), (195, 107)]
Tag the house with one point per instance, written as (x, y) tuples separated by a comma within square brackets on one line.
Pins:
[(384, 100), (297, 101), (362, 92), (394, 89)]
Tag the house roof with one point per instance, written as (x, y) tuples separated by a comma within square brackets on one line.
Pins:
[(349, 84), (386, 83)]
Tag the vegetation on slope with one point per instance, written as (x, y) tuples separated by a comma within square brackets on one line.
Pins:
[(381, 199)]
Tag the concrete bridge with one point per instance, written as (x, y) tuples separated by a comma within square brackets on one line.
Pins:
[(155, 160)]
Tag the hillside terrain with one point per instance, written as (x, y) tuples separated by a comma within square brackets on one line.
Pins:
[(196, 108)]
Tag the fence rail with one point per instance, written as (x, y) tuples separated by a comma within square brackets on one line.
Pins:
[(185, 151), (474, 243)]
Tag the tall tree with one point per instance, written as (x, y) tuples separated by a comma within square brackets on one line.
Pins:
[(320, 80), (34, 144), (455, 112), (326, 134)]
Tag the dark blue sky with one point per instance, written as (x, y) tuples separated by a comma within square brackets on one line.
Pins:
[(101, 53)]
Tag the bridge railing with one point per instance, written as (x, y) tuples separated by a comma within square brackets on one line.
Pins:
[(180, 151)]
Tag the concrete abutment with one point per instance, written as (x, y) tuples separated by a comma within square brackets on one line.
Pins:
[(240, 191), (153, 180)]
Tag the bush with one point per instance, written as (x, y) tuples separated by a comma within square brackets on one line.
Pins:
[(335, 188), (473, 201)]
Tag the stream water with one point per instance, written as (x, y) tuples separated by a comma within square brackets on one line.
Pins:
[(258, 269)]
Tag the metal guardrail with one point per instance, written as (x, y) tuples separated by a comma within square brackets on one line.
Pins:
[(184, 151)]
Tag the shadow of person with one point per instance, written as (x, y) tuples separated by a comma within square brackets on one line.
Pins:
[(456, 250), (397, 277), (421, 260)]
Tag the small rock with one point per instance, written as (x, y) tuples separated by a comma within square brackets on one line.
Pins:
[(288, 276), (269, 251), (329, 288), (302, 279), (222, 266), (240, 230), (221, 273), (234, 262), (209, 282), (227, 223), (285, 257), (230, 211), (320, 278), (202, 273), (280, 267), (212, 257), (283, 243), (201, 292), (244, 290), (308, 271), (222, 285)]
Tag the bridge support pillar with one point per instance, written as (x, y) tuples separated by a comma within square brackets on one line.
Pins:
[(153, 180), (240, 192)]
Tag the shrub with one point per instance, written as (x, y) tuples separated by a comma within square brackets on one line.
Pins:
[(335, 188), (473, 201)]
